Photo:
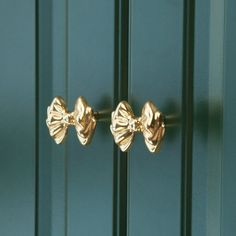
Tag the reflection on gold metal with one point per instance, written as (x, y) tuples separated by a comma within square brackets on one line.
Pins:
[(58, 120), (124, 124)]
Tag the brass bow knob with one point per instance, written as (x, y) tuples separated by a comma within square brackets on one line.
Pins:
[(58, 120), (124, 125)]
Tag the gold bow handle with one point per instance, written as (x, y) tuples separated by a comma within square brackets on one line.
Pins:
[(124, 125), (58, 120)]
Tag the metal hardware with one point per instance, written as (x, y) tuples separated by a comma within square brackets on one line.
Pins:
[(58, 120), (124, 125)]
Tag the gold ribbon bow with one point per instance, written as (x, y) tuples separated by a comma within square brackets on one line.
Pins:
[(58, 120), (125, 124)]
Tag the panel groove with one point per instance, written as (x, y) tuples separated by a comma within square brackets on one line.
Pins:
[(187, 118), (120, 93)]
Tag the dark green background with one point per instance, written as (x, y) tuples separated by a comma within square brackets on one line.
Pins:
[(178, 53)]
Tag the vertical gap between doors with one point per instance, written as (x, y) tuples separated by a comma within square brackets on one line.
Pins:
[(187, 118), (121, 66)]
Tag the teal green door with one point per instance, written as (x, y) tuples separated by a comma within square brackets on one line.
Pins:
[(178, 53)]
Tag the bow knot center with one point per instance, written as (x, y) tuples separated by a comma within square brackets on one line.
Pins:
[(68, 119), (135, 125)]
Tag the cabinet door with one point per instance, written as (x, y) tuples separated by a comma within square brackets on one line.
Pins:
[(76, 58), (156, 62)]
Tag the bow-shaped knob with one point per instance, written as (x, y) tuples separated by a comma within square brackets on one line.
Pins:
[(58, 120), (125, 124)]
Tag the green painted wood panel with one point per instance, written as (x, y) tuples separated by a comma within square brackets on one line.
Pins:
[(228, 227), (17, 119), (201, 120), (90, 73), (59, 87), (52, 67), (213, 147), (53, 180), (156, 29)]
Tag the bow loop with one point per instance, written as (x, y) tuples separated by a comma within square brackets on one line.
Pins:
[(121, 129), (85, 121), (58, 119), (153, 126)]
